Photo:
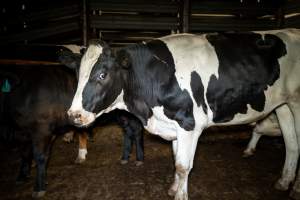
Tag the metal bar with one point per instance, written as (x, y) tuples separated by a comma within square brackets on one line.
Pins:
[(26, 62), (185, 16), (40, 33), (133, 22), (84, 23), (234, 24), (135, 6)]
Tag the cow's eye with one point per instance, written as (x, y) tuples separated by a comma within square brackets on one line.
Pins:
[(101, 76)]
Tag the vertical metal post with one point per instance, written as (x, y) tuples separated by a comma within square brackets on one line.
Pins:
[(280, 17), (185, 15), (84, 23)]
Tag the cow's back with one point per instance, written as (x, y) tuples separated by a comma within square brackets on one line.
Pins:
[(237, 76)]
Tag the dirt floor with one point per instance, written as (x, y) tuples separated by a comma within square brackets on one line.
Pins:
[(219, 170)]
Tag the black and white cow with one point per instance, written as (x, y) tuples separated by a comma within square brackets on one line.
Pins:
[(181, 84)]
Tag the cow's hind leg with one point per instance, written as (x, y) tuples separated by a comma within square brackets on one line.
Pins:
[(26, 161), (42, 142), (295, 108), (186, 147), (287, 125), (139, 141), (249, 151), (82, 151)]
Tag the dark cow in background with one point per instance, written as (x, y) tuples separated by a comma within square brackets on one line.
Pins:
[(133, 134), (34, 103), (36, 108), (181, 84)]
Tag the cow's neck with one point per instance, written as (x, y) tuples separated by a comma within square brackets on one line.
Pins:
[(139, 94)]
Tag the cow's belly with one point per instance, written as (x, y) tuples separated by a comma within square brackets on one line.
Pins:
[(160, 125), (252, 115)]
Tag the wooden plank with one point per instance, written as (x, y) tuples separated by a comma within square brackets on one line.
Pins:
[(292, 22), (54, 14), (131, 36), (27, 62), (232, 7), (226, 24), (47, 53), (40, 33), (292, 7), (135, 22), (135, 6)]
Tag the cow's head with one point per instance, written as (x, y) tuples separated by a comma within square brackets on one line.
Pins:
[(99, 87)]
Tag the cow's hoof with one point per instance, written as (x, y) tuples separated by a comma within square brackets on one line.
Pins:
[(181, 196), (295, 195), (68, 137), (281, 185), (172, 192), (139, 163), (124, 162), (39, 194), (248, 153), (79, 160)]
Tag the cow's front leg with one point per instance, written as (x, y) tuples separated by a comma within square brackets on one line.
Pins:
[(287, 125), (26, 161), (139, 141), (173, 189), (82, 151), (252, 145), (186, 147)]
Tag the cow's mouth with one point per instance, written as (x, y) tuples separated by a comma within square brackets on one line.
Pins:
[(81, 118)]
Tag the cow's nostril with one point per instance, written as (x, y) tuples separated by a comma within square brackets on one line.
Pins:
[(77, 115)]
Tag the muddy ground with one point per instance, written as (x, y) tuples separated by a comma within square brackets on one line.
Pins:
[(219, 170)]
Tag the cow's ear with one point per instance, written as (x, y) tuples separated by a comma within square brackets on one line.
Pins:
[(70, 59), (107, 51), (99, 43), (123, 59)]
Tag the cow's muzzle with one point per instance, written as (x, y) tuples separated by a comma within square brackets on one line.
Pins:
[(81, 118)]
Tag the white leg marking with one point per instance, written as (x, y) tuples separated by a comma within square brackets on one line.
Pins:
[(82, 154), (252, 144), (186, 147), (287, 125)]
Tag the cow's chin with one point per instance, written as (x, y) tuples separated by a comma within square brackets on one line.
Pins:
[(86, 120), (84, 125)]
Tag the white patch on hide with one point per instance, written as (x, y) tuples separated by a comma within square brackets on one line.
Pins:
[(160, 124), (193, 53), (117, 104), (82, 153)]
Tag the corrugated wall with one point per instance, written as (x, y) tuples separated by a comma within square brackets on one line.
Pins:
[(121, 22)]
